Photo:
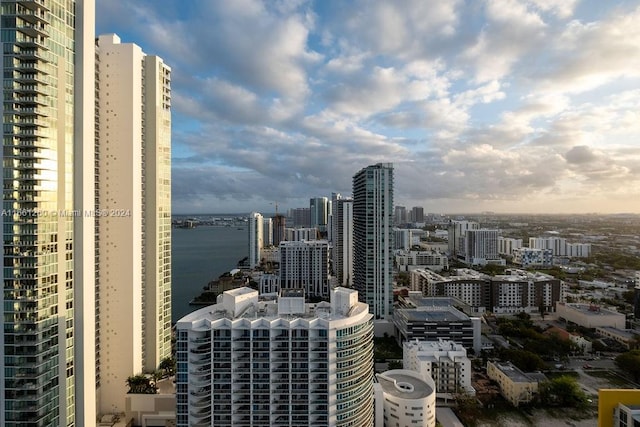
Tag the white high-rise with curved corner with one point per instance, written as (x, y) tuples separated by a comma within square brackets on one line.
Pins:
[(276, 363)]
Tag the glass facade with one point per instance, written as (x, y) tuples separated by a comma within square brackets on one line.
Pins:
[(373, 237), (37, 212)]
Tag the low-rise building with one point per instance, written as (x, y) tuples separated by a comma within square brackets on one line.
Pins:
[(626, 337), (515, 386), (444, 361), (590, 315), (431, 319), (408, 399), (412, 260)]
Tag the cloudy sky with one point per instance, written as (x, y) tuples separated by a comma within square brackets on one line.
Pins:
[(505, 105)]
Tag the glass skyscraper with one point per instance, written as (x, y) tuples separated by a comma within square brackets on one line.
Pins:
[(373, 237), (42, 130)]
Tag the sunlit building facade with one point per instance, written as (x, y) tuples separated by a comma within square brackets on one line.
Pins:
[(46, 370), (133, 159)]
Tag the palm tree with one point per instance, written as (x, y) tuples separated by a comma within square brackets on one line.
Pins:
[(141, 384), (168, 365)]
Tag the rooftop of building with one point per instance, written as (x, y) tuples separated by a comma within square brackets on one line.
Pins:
[(589, 309), (467, 273), (404, 384), (245, 303), (435, 314), (511, 371), (435, 346), (515, 275), (625, 333)]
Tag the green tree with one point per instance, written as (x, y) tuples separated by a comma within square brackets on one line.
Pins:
[(168, 366), (524, 360), (629, 362), (141, 384), (403, 279), (563, 391)]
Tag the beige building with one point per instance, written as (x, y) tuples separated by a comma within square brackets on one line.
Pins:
[(515, 386), (590, 315), (133, 216)]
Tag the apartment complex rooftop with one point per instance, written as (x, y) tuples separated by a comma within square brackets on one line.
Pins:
[(437, 314), (515, 275), (245, 303)]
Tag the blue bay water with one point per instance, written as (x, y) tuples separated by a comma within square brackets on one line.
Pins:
[(199, 255)]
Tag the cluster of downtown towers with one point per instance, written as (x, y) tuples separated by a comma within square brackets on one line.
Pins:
[(86, 215), (359, 229)]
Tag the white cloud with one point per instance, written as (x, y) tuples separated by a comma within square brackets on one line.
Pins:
[(503, 104)]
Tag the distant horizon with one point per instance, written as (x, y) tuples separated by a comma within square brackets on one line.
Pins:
[(431, 213)]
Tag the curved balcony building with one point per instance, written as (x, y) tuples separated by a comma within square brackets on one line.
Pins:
[(281, 362)]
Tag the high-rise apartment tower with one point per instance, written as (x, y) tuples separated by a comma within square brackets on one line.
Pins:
[(342, 251), (319, 208), (133, 216), (373, 237), (256, 236)]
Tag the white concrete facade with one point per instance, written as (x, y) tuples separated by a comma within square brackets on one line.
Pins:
[(409, 399), (444, 361), (558, 245), (299, 234), (481, 246), (590, 315), (506, 245), (84, 227), (245, 361), (305, 265), (134, 216), (407, 260)]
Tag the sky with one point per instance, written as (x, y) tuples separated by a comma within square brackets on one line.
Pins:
[(509, 106)]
